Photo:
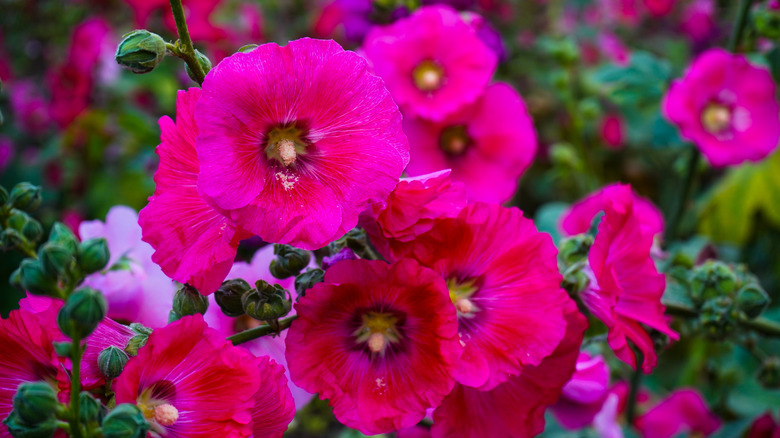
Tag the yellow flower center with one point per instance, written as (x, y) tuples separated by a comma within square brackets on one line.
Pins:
[(428, 76), (285, 144), (378, 330), (716, 118), (461, 296), (454, 140)]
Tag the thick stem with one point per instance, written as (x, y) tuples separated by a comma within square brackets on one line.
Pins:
[(633, 393), (75, 389), (259, 332), (672, 229), (738, 30), (187, 49)]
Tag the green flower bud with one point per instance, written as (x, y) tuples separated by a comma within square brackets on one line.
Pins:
[(18, 219), (35, 279), (307, 280), (140, 51), (34, 402), (769, 373), (247, 48), (55, 259), (575, 282), (125, 421), (228, 296), (82, 312), (11, 238), (91, 408), (562, 154), (139, 340), (18, 428), (93, 255), (590, 109), (63, 349), (204, 62), (767, 23), (32, 231), (752, 300), (712, 279), (188, 301), (716, 318), (3, 196), (26, 196), (61, 234), (267, 301), (111, 362), (575, 249), (16, 279), (289, 261)]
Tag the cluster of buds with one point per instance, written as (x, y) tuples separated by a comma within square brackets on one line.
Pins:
[(187, 301), (289, 261), (17, 229), (141, 51), (264, 302)]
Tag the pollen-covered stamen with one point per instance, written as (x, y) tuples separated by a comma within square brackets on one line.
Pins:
[(166, 414), (377, 342), (454, 140), (461, 295), (428, 76), (286, 144), (464, 305), (286, 150), (378, 330), (716, 118)]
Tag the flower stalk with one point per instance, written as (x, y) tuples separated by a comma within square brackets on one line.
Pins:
[(183, 48)]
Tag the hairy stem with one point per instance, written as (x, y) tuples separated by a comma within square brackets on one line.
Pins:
[(259, 332), (75, 389), (672, 229), (186, 49)]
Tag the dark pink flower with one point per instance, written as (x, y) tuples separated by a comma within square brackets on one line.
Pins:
[(193, 243), (659, 8), (612, 131), (626, 288), (488, 145), (683, 412), (578, 218), (583, 396), (28, 106), (143, 9), (379, 341), (502, 275), (295, 141), (698, 20), (515, 408), (764, 427), (727, 107), (433, 62)]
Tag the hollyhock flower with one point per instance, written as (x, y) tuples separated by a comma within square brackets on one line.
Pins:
[(727, 107), (698, 20), (625, 288), (487, 33), (659, 8), (683, 412), (433, 62), (193, 243), (143, 9), (614, 49), (273, 347), (583, 396), (578, 218), (612, 131), (134, 286), (190, 382), (487, 145), (6, 153), (295, 141), (764, 427), (605, 422), (502, 275), (515, 408), (29, 107), (379, 341), (412, 208)]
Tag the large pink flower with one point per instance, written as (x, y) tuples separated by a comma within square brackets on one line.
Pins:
[(503, 279), (196, 384), (379, 341), (515, 408), (583, 396), (433, 62), (727, 106), (625, 290), (683, 412), (193, 243), (295, 141), (488, 145)]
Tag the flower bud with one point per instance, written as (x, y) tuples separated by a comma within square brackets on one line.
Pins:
[(204, 62), (18, 219), (769, 373), (289, 261), (25, 196), (247, 48), (267, 301), (188, 301), (63, 349), (11, 238), (93, 255), (712, 279), (32, 230), (125, 421), (36, 281), (228, 296), (562, 154), (15, 279), (34, 402), (3, 196), (55, 259), (767, 23), (60, 233), (18, 428), (111, 362), (752, 300), (308, 279), (716, 318), (140, 51), (91, 408), (575, 249), (139, 340), (82, 312)]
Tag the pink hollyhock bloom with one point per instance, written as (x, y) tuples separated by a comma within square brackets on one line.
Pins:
[(194, 383), (488, 145), (605, 422), (683, 412), (29, 107), (612, 131), (379, 341), (578, 218), (6, 153), (193, 243), (727, 107), (296, 141), (412, 208), (515, 408), (433, 62), (659, 8), (583, 396), (503, 279), (698, 20), (143, 9), (613, 48), (764, 427), (134, 286), (625, 289)]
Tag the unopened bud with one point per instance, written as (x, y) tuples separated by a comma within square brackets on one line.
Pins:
[(26, 196), (139, 340), (3, 196), (289, 261), (81, 313), (752, 300), (716, 318), (34, 402), (55, 259), (247, 48), (63, 349), (60, 233), (125, 421), (35, 280), (712, 279), (111, 362), (15, 279), (19, 428), (91, 408), (562, 154), (575, 249), (767, 22), (17, 219), (140, 51), (32, 230), (93, 255), (266, 302), (228, 296), (11, 238), (188, 301), (204, 62), (769, 373)]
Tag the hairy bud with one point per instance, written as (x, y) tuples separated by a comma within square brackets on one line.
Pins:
[(140, 51)]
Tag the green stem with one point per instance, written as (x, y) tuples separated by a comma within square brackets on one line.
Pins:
[(738, 30), (633, 392), (187, 49), (263, 330), (761, 325), (672, 229), (75, 389)]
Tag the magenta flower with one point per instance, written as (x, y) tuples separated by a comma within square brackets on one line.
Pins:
[(193, 243), (583, 396), (659, 8), (698, 20), (433, 61), (727, 107), (295, 141), (613, 131), (515, 408), (502, 276), (488, 145), (683, 412), (190, 382), (379, 341), (625, 289)]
